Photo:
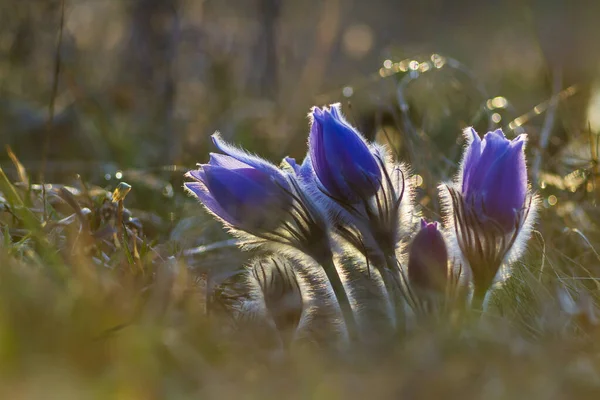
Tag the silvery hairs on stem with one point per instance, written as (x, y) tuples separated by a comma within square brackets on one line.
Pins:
[(367, 195), (268, 207)]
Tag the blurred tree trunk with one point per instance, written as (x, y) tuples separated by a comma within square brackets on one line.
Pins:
[(147, 72), (267, 60)]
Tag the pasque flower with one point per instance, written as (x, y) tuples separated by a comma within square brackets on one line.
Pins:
[(361, 188), (360, 184), (340, 157), (495, 177), (252, 196), (490, 207), (428, 259), (246, 193)]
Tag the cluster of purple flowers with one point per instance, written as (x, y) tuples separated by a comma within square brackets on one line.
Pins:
[(349, 195)]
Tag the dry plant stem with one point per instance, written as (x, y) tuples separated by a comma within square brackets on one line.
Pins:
[(548, 124), (120, 220)]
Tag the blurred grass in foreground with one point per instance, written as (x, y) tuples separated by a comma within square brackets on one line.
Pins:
[(89, 308)]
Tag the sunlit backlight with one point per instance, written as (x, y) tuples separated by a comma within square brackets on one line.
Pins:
[(438, 61), (119, 175), (347, 91), (516, 123), (552, 200), (387, 64), (358, 40), (418, 180), (499, 102), (496, 102), (496, 118), (413, 65), (589, 187), (593, 111)]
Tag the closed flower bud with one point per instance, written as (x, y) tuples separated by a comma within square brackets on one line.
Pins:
[(495, 177), (246, 193), (428, 259), (341, 159), (492, 211)]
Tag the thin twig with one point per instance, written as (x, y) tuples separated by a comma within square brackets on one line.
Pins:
[(548, 124), (211, 247), (51, 106)]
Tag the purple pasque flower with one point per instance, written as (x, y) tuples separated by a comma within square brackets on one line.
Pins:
[(340, 157), (253, 196), (244, 191), (490, 210), (494, 176), (361, 185), (428, 259)]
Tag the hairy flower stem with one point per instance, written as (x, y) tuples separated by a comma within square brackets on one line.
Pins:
[(333, 276), (478, 298), (390, 280)]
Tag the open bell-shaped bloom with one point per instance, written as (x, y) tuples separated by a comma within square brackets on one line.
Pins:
[(244, 191), (428, 259), (341, 158), (494, 176)]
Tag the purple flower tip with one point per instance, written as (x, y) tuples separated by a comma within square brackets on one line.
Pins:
[(340, 156)]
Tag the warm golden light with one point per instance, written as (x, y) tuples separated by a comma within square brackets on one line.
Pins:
[(358, 40), (418, 180), (499, 102)]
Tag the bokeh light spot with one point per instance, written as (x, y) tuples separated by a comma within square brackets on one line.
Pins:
[(357, 40)]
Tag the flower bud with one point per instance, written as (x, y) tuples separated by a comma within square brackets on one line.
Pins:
[(495, 177), (245, 196), (341, 159), (428, 259)]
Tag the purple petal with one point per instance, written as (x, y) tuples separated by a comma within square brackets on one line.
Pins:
[(249, 159), (224, 161), (428, 259), (471, 158), (306, 172), (197, 174), (199, 190), (507, 187), (340, 156), (329, 177), (249, 195), (494, 146), (238, 186)]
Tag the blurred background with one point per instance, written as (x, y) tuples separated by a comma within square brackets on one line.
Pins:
[(133, 89), (103, 299)]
